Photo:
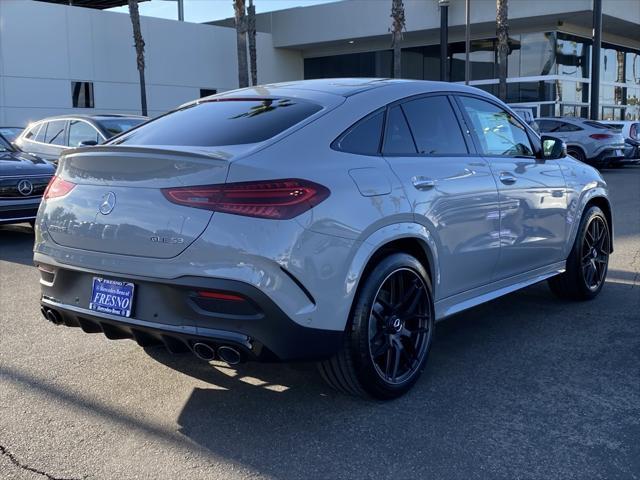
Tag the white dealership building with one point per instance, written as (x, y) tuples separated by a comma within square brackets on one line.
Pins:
[(56, 58)]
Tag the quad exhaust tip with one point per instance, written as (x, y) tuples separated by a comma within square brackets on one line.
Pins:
[(51, 315), (203, 351), (229, 355)]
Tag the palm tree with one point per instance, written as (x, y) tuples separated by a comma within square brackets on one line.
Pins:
[(502, 31), (134, 14), (241, 40), (251, 31), (397, 25)]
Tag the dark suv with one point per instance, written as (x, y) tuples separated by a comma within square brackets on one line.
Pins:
[(47, 138), (23, 180)]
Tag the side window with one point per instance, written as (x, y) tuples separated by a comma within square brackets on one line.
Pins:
[(548, 126), (55, 132), (31, 132), (40, 136), (80, 132), (397, 136), (434, 126), (364, 137), (499, 133)]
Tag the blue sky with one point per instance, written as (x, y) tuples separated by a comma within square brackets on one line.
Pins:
[(206, 10)]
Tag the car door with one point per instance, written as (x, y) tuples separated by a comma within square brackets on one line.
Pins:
[(451, 189), (533, 200)]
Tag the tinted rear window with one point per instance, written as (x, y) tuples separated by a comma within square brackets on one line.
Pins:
[(596, 125), (222, 122), (115, 126)]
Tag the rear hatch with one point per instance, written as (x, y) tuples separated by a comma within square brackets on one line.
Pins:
[(117, 205)]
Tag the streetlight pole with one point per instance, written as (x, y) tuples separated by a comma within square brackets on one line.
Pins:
[(444, 39), (467, 41), (594, 113)]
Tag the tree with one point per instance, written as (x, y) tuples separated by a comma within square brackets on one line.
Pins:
[(251, 31), (397, 26), (241, 40), (134, 14), (502, 31)]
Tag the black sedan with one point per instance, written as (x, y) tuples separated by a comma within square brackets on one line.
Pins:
[(23, 180)]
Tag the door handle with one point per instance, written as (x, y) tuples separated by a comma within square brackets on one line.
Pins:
[(507, 178), (423, 183)]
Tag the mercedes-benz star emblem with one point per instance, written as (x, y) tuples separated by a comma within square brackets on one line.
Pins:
[(107, 204), (25, 187)]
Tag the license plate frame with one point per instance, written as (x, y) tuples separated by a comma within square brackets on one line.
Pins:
[(114, 297)]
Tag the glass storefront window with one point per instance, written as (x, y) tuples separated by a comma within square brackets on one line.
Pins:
[(537, 54), (569, 91), (573, 56), (633, 68), (482, 58), (366, 64), (612, 65)]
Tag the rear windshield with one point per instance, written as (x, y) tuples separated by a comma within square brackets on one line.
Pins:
[(115, 126), (222, 122)]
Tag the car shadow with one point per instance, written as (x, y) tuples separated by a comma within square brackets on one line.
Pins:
[(522, 378), (16, 243)]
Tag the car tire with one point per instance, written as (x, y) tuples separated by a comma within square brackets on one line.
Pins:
[(577, 154), (588, 262), (389, 333)]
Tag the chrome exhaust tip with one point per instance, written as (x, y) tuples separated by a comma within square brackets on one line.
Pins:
[(229, 354), (203, 351), (54, 317)]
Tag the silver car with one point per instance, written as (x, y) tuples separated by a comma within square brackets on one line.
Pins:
[(587, 140), (329, 220)]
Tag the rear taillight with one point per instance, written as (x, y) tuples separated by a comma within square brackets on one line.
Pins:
[(600, 136), (274, 199), (58, 188)]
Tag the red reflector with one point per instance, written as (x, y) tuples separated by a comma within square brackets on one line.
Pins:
[(274, 199), (221, 296), (58, 188), (600, 136)]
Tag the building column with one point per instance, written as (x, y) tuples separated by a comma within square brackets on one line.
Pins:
[(594, 113)]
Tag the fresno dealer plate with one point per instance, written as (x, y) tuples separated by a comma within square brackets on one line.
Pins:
[(111, 296)]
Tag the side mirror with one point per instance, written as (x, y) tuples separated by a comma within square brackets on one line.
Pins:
[(88, 143), (553, 148)]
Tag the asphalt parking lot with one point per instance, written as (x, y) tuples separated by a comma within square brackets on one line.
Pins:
[(526, 386)]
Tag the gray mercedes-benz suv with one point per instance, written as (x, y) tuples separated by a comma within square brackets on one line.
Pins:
[(329, 220)]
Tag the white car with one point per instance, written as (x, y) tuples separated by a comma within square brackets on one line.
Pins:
[(630, 130)]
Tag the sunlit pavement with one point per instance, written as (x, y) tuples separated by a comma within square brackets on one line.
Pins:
[(527, 386)]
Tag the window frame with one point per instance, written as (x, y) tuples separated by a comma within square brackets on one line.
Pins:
[(533, 138)]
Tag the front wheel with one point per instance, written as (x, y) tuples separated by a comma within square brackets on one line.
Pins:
[(588, 261), (389, 333)]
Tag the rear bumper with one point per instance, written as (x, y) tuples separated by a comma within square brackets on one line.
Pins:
[(170, 312), (608, 156)]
